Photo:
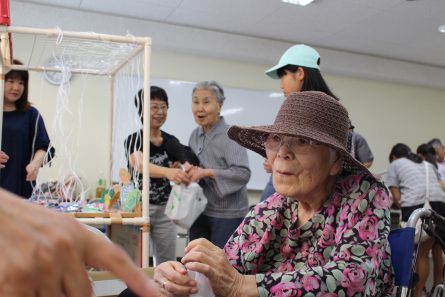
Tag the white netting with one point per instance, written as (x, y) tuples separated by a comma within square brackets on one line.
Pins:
[(127, 84), (120, 61), (77, 54)]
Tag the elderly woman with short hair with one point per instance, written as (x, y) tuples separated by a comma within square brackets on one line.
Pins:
[(324, 233), (224, 167)]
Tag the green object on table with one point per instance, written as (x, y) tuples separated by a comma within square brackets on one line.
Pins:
[(132, 200)]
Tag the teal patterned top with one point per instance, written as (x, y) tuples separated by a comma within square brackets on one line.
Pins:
[(341, 251)]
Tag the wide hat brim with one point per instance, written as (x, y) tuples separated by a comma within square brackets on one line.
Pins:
[(305, 115), (252, 138)]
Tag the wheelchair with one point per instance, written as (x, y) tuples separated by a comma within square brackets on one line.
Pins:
[(404, 251)]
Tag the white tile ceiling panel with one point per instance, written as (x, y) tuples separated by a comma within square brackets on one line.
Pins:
[(294, 32), (421, 8), (250, 10), (396, 41), (383, 28), (63, 3), (224, 14), (211, 21), (144, 9), (429, 53), (378, 4), (322, 16)]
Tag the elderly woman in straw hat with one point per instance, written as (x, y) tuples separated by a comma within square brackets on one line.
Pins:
[(324, 233)]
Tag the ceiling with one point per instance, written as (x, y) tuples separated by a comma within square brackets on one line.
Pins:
[(396, 29)]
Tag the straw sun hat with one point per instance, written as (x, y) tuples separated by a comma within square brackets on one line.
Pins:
[(312, 115)]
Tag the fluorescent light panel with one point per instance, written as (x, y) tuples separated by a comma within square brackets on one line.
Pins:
[(298, 2), (276, 95)]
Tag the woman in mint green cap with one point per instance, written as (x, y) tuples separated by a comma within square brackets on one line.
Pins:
[(298, 70)]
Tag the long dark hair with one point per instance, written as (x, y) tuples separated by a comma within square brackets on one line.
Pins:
[(313, 80), (22, 104), (428, 153), (401, 150)]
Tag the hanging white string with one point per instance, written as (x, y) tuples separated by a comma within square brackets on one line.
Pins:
[(67, 129), (60, 36), (128, 83)]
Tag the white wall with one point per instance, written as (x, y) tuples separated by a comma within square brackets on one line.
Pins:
[(387, 113)]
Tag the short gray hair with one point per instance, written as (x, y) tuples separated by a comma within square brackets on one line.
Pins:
[(214, 87)]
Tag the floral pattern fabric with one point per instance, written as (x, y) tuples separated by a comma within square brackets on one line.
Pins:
[(341, 251)]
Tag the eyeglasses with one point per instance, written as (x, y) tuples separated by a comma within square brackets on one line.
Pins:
[(157, 108), (273, 142)]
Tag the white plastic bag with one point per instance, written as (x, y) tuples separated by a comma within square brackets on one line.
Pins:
[(203, 284), (422, 235), (185, 204)]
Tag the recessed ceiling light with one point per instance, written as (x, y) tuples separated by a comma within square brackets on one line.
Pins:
[(298, 2), (441, 28)]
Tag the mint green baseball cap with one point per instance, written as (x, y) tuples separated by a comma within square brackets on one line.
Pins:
[(298, 55)]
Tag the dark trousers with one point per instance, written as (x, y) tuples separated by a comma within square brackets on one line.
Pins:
[(439, 207), (215, 230), (408, 210)]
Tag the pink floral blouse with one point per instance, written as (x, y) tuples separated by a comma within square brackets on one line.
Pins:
[(341, 251)]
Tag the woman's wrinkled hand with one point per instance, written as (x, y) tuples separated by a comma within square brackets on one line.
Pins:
[(178, 176), (175, 164), (196, 173), (204, 257), (173, 280)]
